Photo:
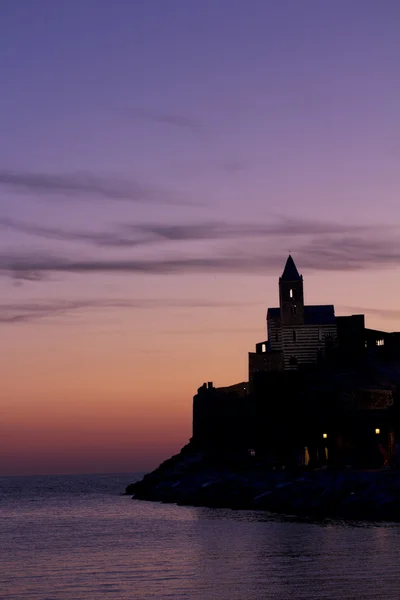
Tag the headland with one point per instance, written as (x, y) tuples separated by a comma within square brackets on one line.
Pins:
[(315, 431)]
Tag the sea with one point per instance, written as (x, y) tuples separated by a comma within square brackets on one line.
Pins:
[(80, 538)]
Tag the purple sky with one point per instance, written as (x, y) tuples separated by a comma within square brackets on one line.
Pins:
[(241, 110), (158, 160)]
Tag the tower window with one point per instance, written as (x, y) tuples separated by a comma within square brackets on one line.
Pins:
[(291, 293), (380, 342), (293, 309), (263, 348), (294, 335)]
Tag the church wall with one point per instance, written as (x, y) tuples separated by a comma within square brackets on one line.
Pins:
[(309, 340), (274, 335), (265, 362)]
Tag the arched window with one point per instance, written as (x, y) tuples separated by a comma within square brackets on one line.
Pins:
[(294, 335), (290, 293)]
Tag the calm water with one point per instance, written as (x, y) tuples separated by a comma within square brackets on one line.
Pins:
[(77, 538)]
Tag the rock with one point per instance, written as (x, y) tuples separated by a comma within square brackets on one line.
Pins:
[(199, 480)]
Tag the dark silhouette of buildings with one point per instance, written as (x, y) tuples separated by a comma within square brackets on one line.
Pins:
[(321, 390)]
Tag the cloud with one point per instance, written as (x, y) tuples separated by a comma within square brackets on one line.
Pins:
[(132, 235), (385, 313), (350, 253), (33, 311), (222, 230), (315, 246), (24, 266), (170, 119), (211, 331), (96, 238), (84, 186), (163, 118)]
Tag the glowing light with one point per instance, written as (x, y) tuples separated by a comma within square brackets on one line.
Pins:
[(377, 430), (324, 435)]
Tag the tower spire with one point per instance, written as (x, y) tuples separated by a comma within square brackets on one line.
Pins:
[(290, 272), (291, 295)]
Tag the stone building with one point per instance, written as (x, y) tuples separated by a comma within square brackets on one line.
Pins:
[(322, 390), (298, 334)]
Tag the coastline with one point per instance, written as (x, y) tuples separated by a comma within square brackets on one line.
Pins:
[(195, 479)]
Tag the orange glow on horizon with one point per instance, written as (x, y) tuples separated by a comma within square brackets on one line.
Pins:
[(112, 397)]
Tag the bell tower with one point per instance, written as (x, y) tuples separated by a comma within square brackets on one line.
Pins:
[(291, 295)]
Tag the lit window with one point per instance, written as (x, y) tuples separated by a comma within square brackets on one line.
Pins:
[(263, 348), (324, 435), (377, 431), (380, 342), (291, 293)]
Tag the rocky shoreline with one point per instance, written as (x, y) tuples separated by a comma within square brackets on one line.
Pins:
[(195, 479)]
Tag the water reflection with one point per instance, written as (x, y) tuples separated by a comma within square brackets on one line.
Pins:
[(284, 558), (71, 541)]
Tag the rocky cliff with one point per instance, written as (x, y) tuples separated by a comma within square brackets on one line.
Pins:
[(193, 478)]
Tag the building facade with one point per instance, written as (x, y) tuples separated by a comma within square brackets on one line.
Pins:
[(297, 334), (321, 389)]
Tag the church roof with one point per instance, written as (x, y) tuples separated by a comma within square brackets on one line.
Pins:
[(323, 314), (290, 272)]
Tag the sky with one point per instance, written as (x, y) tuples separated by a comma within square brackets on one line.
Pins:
[(159, 159)]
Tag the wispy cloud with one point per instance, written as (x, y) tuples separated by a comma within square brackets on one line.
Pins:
[(385, 313), (22, 266), (97, 238), (316, 246), (32, 311), (212, 331), (164, 118), (84, 186), (171, 119), (281, 226), (350, 252), (329, 255), (131, 235)]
